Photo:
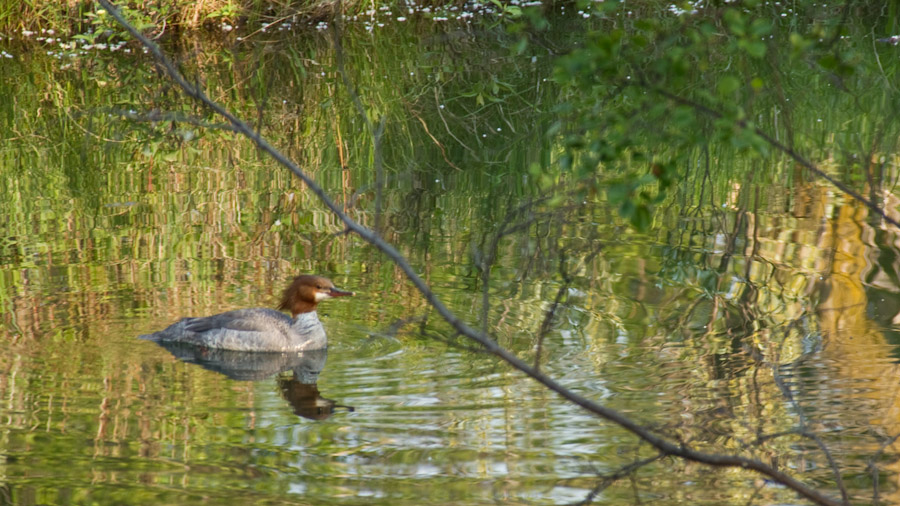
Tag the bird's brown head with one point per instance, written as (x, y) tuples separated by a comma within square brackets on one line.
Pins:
[(305, 293)]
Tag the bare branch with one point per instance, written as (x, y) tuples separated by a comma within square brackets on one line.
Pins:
[(873, 466)]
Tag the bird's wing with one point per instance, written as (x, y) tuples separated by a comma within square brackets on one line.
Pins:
[(255, 320)]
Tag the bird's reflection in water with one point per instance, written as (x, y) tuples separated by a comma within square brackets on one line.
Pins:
[(297, 373)]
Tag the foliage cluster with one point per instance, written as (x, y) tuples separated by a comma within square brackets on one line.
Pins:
[(647, 95)]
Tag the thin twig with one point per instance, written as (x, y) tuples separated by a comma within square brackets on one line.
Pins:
[(786, 392), (551, 312), (611, 478), (873, 466)]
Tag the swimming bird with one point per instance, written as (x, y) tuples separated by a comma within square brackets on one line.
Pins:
[(262, 329)]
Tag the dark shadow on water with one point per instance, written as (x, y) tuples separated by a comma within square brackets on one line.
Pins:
[(299, 389)]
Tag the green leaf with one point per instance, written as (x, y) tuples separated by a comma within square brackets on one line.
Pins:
[(760, 27), (728, 84), (799, 43), (627, 209), (683, 117), (756, 48), (521, 45), (736, 22), (618, 193), (545, 181), (709, 281), (828, 62), (645, 179), (641, 218), (639, 40), (554, 128)]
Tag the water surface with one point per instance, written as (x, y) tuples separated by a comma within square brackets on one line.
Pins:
[(751, 307)]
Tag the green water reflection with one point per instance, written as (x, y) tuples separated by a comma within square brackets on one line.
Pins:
[(113, 226)]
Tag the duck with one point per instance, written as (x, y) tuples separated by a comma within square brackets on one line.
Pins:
[(262, 329)]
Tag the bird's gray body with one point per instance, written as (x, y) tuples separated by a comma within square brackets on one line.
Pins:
[(256, 329)]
